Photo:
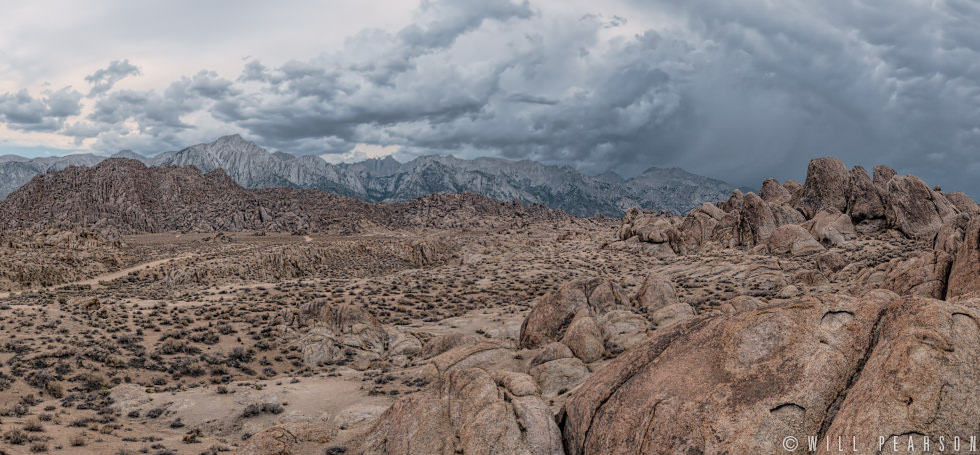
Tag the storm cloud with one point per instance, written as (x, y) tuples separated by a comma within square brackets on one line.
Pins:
[(741, 90)]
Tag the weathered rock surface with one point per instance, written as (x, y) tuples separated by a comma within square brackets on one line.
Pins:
[(963, 203), (914, 208), (488, 355), (442, 343), (623, 329), (468, 411), (656, 292), (327, 333), (924, 274), (952, 234), (831, 227), (560, 375), (882, 174), (964, 275), (793, 239), (554, 312), (288, 439), (864, 200), (757, 223), (761, 375), (919, 378), (584, 338), (827, 184), (774, 193)]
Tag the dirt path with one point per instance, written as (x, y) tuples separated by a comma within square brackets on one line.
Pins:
[(94, 281)]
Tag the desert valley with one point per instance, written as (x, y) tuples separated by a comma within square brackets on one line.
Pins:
[(163, 310)]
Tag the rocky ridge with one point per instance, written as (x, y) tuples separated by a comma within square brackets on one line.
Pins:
[(387, 180), (766, 369), (130, 197)]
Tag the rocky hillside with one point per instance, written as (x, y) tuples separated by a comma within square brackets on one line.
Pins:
[(387, 180), (875, 355), (130, 197)]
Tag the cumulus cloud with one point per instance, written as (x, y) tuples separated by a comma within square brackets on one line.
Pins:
[(47, 113), (104, 79)]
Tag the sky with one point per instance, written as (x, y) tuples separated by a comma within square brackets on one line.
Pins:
[(739, 90)]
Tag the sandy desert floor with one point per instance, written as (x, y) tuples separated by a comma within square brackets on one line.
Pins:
[(180, 347)]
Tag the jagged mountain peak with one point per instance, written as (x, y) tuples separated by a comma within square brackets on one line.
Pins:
[(388, 180)]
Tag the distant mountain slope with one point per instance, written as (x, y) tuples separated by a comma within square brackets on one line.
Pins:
[(131, 198), (15, 171), (387, 180)]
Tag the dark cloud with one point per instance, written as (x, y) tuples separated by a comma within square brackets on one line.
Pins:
[(740, 90), (440, 23), (22, 111), (205, 84), (103, 79)]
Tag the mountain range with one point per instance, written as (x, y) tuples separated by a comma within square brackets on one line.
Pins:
[(128, 197), (387, 180)]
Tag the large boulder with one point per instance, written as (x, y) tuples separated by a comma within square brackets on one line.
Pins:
[(923, 274), (757, 221), (442, 343), (559, 376), (952, 234), (733, 384), (288, 438), (914, 208), (551, 316), (699, 225), (468, 411), (656, 292), (864, 201), (963, 203), (827, 184), (882, 174), (671, 314), (865, 367), (795, 190), (786, 214), (919, 379), (327, 333), (658, 300), (964, 275), (794, 240), (487, 355), (584, 338), (831, 227), (774, 193), (622, 329), (655, 229)]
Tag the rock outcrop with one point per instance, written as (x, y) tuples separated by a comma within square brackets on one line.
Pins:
[(468, 411), (864, 201), (826, 187), (818, 366), (833, 205), (964, 275), (288, 438), (594, 318), (793, 239), (327, 333), (553, 314), (914, 208), (132, 198)]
